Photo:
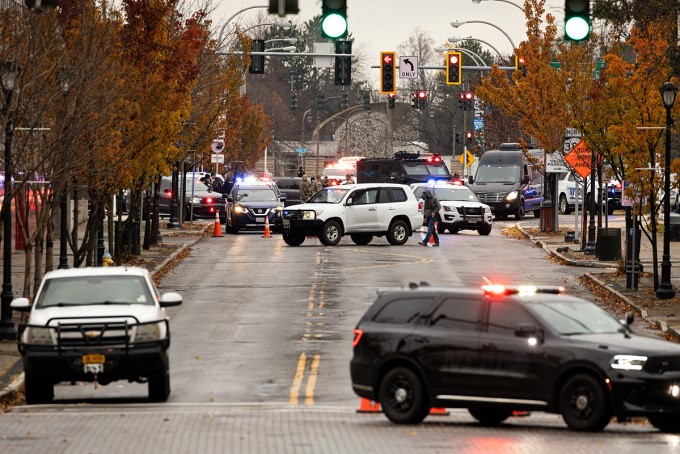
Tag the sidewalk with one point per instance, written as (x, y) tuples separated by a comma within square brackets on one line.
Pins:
[(157, 260), (610, 277)]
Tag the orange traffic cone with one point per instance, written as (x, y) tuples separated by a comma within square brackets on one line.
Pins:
[(439, 411), (267, 232), (217, 231), (369, 406), (432, 236)]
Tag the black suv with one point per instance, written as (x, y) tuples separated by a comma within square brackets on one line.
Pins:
[(499, 349), (250, 204)]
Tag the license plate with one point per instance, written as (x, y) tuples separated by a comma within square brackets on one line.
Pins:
[(94, 358), (259, 219), (286, 223), (473, 221)]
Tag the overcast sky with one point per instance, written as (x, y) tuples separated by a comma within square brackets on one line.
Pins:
[(381, 25)]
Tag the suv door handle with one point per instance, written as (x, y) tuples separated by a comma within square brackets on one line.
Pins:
[(372, 209), (421, 340), (488, 346), (391, 209)]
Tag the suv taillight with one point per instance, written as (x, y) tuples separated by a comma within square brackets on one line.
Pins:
[(357, 336), (420, 206)]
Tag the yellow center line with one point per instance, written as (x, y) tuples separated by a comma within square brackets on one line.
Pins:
[(311, 381), (297, 379)]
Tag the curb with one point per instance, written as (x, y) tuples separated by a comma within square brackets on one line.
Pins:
[(12, 387)]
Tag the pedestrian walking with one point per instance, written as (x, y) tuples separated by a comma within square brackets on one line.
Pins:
[(431, 209), (301, 172), (305, 189)]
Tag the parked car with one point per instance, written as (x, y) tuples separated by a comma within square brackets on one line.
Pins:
[(569, 185), (501, 349), (96, 325), (362, 211), (250, 204), (289, 188), (200, 202), (461, 208)]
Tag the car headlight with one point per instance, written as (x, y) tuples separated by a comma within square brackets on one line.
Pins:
[(449, 208), (309, 215), (39, 336), (240, 209), (148, 332), (628, 362), (195, 200), (512, 195)]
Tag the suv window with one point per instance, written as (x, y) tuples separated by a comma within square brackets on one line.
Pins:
[(505, 318), (384, 196), (418, 192), (403, 311), (398, 195), (459, 313), (365, 197)]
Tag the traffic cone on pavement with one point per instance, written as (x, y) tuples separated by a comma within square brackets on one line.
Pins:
[(217, 231), (369, 406), (267, 232)]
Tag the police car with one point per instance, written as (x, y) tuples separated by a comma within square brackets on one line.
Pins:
[(461, 209), (250, 202)]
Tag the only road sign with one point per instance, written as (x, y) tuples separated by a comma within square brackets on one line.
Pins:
[(408, 67)]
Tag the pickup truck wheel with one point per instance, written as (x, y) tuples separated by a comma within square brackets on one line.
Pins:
[(564, 206), (159, 386), (37, 390), (397, 233), (331, 233), (293, 239), (362, 239)]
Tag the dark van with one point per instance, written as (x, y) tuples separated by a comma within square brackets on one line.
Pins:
[(508, 182), (404, 168)]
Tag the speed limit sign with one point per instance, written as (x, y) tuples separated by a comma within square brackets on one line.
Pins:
[(217, 146)]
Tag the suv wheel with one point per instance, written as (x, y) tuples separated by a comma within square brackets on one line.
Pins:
[(584, 404), (665, 423), (454, 230), (441, 228), (293, 239), (564, 205), (330, 233), (519, 214), (490, 416), (484, 230), (362, 239), (159, 386), (403, 397), (37, 390), (232, 228), (397, 233)]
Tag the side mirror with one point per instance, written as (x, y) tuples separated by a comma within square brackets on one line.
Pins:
[(282, 199), (349, 202), (230, 199), (20, 305), (628, 319), (525, 179), (170, 299), (470, 179)]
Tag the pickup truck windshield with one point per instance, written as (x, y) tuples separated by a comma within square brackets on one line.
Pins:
[(498, 174), (89, 290)]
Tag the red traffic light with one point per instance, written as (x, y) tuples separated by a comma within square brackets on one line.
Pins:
[(387, 59), (422, 94), (521, 60), (392, 95), (468, 95), (468, 135), (453, 59)]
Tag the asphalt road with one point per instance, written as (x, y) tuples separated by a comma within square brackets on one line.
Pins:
[(260, 357)]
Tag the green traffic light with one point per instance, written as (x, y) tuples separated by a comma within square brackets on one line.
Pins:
[(576, 28), (334, 25)]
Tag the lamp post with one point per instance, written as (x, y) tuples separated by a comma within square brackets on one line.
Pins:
[(455, 40), (9, 72), (504, 1), (665, 290), (456, 24), (64, 75), (475, 57), (591, 246)]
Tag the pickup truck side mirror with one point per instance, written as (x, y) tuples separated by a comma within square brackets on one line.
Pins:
[(20, 305), (349, 202), (470, 179)]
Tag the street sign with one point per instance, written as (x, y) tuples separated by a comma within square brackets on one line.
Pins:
[(554, 163), (408, 67), (301, 150), (323, 62), (579, 159), (625, 200), (217, 158), (217, 146), (470, 158)]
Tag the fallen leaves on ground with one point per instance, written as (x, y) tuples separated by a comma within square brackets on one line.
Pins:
[(12, 399), (176, 260), (514, 232)]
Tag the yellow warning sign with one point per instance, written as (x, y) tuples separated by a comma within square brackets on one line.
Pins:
[(470, 158)]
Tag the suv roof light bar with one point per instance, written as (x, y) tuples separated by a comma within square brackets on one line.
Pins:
[(522, 290)]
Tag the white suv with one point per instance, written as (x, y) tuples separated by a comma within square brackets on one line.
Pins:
[(461, 209), (359, 210), (98, 325)]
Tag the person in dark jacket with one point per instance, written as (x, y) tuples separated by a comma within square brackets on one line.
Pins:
[(431, 209)]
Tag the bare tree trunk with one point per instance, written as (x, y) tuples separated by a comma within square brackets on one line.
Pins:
[(147, 223), (39, 245), (155, 221), (28, 266), (49, 246)]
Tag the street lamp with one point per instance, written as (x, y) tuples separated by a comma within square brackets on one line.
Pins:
[(65, 77), (665, 290), (504, 1), (456, 24), (455, 40), (284, 24), (9, 72), (477, 59)]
